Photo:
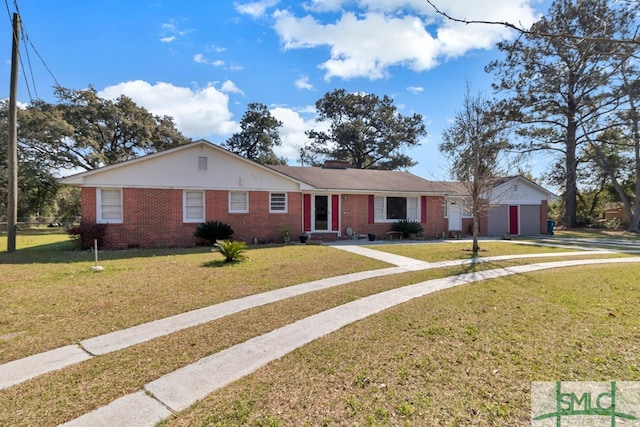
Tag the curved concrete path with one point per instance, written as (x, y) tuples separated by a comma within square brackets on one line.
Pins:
[(183, 387), (21, 370)]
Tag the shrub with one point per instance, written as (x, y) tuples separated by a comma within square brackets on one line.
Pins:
[(232, 251), (407, 227), (84, 234), (214, 231)]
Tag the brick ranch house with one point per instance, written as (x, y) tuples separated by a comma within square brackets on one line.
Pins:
[(159, 200)]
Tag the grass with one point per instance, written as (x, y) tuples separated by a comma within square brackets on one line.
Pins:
[(455, 250), (465, 356), (53, 298), (588, 233)]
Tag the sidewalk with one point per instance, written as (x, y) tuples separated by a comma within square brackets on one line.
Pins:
[(183, 387), (18, 371)]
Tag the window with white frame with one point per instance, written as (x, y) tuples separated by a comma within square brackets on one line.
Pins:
[(193, 206), (109, 206), (394, 208), (278, 202), (238, 202)]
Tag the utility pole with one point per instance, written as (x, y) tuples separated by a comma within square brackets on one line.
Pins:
[(12, 151)]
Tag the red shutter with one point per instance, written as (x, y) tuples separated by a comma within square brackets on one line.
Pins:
[(306, 212), (335, 212), (372, 209), (423, 209)]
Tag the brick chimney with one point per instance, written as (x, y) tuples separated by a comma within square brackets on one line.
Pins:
[(335, 164)]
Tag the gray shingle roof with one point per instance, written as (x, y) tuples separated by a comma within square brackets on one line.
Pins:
[(362, 180)]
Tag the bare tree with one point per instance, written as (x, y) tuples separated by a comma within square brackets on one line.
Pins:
[(476, 143)]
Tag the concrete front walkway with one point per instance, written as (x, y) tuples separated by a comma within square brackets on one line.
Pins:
[(18, 371), (183, 387)]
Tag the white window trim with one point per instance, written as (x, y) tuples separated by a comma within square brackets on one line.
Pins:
[(184, 207), (99, 205), (286, 202), (246, 209), (383, 209)]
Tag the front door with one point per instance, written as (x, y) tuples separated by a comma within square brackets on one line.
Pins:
[(454, 212), (321, 213)]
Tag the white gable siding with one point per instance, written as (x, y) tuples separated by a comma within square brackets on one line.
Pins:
[(516, 192), (184, 169)]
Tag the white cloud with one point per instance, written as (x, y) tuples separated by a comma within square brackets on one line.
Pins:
[(292, 133), (255, 9), (197, 113), (324, 5), (303, 83), (363, 47), (169, 26), (199, 58), (373, 36), (230, 87), (416, 90), (170, 32), (214, 48)]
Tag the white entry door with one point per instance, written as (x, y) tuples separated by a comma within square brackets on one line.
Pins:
[(454, 211)]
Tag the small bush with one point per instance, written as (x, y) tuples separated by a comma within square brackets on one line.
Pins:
[(407, 227), (213, 231), (232, 251), (84, 234)]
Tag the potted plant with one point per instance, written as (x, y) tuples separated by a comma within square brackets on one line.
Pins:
[(284, 233), (304, 237), (372, 236)]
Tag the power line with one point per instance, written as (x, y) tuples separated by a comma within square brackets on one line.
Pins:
[(28, 43), (28, 40), (24, 73), (6, 3)]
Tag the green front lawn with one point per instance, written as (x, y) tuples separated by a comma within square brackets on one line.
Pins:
[(464, 356)]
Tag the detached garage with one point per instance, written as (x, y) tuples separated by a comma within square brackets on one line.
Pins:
[(517, 206)]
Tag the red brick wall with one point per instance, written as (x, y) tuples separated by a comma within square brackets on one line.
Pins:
[(88, 208), (544, 215), (436, 222), (258, 223), (355, 215), (153, 218)]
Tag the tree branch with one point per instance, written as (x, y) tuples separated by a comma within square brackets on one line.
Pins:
[(520, 29)]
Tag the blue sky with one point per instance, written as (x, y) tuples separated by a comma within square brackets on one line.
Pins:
[(203, 61)]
